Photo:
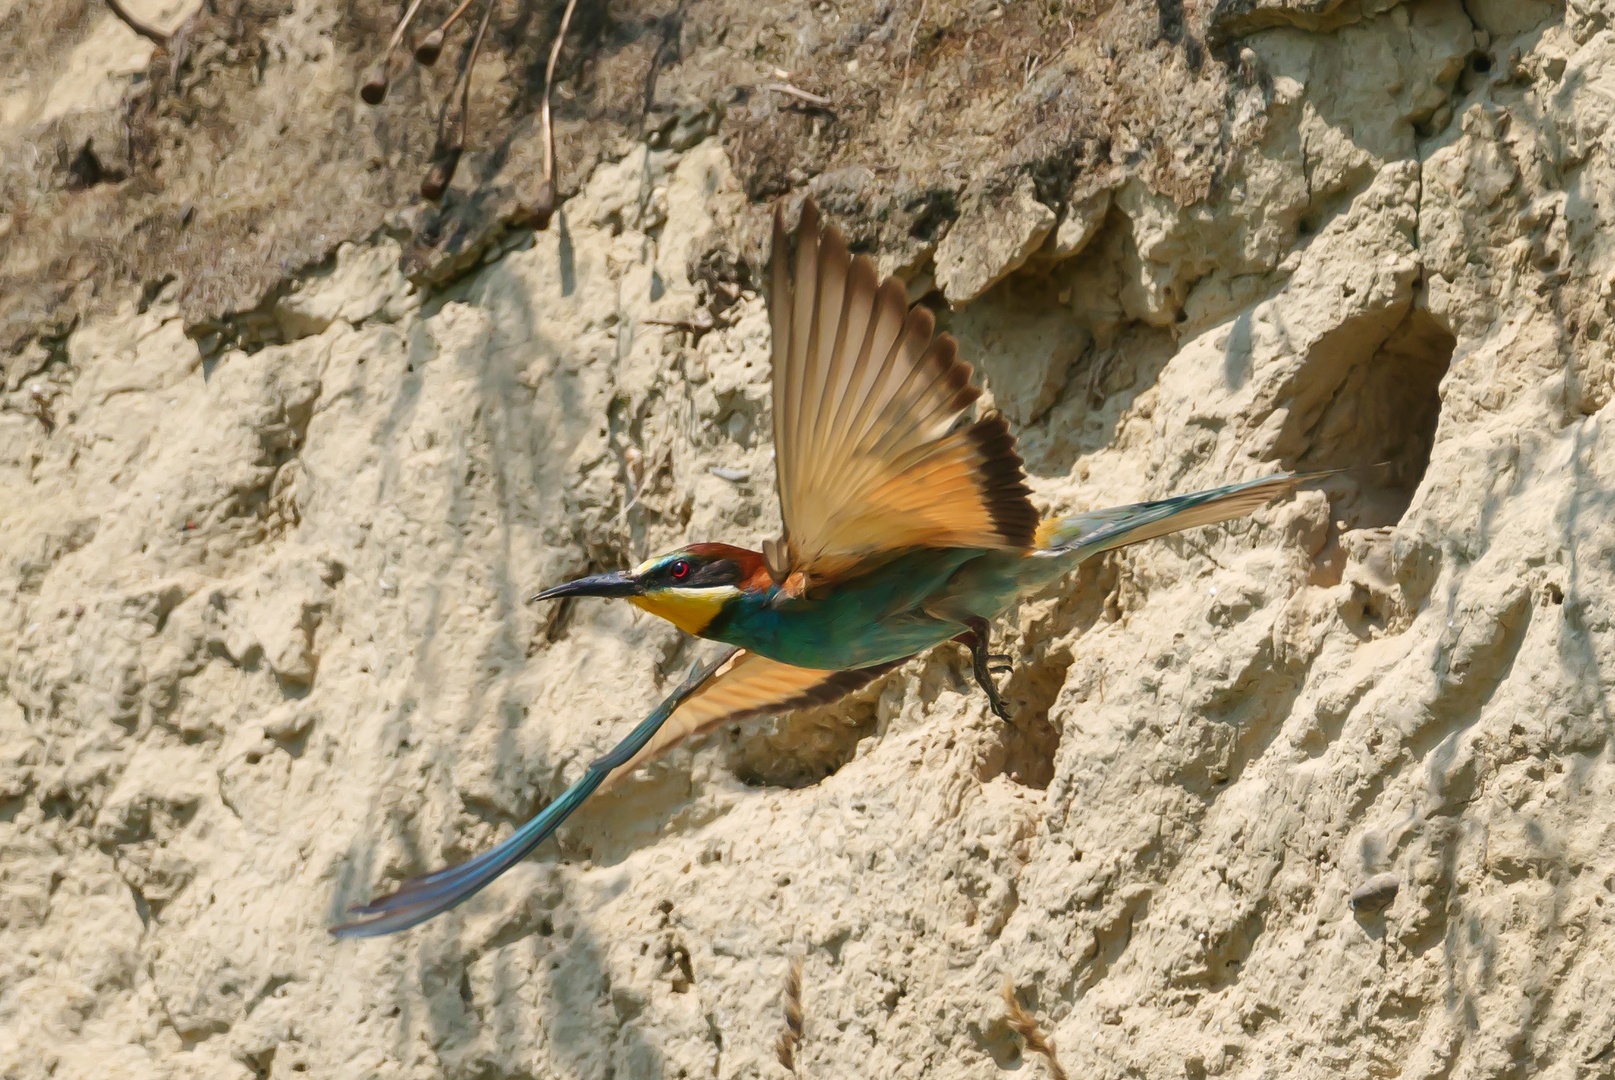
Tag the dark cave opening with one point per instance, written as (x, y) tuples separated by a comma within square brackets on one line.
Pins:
[(1372, 412)]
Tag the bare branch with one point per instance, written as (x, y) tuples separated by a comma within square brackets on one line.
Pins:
[(152, 33)]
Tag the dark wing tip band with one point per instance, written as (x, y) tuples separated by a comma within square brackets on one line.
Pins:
[(1003, 474)]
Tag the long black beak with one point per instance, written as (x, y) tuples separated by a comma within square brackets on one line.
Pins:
[(616, 583)]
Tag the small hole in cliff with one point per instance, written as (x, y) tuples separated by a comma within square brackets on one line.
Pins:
[(262, 1064), (1368, 402), (1481, 63), (86, 169)]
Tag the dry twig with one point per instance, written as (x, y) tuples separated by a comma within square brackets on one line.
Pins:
[(152, 33), (1025, 1025), (698, 324), (798, 93), (791, 1037), (1031, 69), (454, 136)]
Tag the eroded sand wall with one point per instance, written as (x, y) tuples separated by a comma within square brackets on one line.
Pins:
[(263, 644)]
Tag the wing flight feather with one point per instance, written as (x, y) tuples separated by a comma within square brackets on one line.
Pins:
[(867, 406), (748, 686)]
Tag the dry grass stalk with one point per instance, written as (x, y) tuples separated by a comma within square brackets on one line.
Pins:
[(544, 204), (470, 69), (791, 1037), (1025, 1025)]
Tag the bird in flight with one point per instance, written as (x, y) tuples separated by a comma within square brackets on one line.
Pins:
[(906, 525)]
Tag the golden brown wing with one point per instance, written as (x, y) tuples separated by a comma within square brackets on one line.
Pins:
[(865, 405), (748, 686)]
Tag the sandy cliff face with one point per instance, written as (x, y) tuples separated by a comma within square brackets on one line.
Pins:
[(1328, 792)]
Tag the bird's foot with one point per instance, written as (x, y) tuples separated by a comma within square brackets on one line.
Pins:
[(995, 701), (985, 664)]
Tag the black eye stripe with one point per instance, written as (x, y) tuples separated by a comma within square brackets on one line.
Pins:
[(720, 572), (698, 573)]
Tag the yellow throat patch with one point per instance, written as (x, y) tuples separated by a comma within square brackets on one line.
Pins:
[(691, 610)]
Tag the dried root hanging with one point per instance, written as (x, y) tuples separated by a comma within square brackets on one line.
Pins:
[(453, 138)]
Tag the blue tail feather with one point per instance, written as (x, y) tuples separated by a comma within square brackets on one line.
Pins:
[(432, 894), (1082, 536)]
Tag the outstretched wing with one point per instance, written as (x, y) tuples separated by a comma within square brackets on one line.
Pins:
[(736, 686), (865, 405), (749, 686)]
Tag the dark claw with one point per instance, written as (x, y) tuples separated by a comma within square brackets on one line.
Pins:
[(1001, 669), (984, 663)]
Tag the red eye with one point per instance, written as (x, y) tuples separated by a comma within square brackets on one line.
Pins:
[(681, 570)]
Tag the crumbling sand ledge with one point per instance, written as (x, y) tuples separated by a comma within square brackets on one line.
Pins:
[(263, 643)]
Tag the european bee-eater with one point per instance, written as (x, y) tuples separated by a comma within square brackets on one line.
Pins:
[(904, 527)]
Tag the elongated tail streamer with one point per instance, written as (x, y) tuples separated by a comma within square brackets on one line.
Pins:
[(418, 899)]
